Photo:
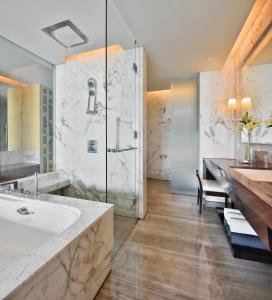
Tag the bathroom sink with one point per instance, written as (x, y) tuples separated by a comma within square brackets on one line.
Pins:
[(256, 175)]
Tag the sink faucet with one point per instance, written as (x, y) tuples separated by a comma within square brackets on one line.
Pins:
[(7, 186), (36, 184)]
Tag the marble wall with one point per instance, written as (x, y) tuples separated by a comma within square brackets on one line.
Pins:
[(158, 135), (74, 128), (257, 84), (216, 128)]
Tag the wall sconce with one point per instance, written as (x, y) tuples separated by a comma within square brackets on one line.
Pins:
[(246, 103), (232, 105)]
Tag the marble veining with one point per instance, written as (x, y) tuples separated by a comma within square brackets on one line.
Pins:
[(47, 182), (216, 129), (158, 135), (257, 85), (74, 128), (71, 265)]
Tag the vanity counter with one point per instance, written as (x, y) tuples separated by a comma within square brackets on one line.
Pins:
[(252, 196), (47, 182), (72, 263)]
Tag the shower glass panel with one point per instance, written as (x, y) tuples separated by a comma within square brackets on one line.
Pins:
[(121, 122)]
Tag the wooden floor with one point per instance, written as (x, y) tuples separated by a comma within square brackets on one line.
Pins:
[(175, 254)]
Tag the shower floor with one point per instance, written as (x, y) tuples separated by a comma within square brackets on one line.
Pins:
[(122, 228)]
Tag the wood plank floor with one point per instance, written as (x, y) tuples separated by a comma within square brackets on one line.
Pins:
[(175, 254)]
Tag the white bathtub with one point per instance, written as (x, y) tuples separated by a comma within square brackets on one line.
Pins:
[(21, 234)]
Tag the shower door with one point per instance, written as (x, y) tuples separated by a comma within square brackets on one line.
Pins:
[(121, 130)]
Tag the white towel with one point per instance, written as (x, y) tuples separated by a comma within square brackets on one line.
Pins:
[(241, 226), (237, 222), (235, 213)]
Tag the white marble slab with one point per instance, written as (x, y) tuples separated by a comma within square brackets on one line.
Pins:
[(216, 128), (42, 273), (158, 135), (48, 182), (74, 128)]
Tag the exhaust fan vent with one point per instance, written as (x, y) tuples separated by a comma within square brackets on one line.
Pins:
[(67, 34)]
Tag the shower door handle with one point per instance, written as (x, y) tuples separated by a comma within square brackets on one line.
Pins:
[(114, 150)]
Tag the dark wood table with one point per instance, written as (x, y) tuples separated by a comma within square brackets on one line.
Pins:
[(248, 199)]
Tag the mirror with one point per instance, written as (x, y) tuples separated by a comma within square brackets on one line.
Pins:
[(257, 84), (26, 113), (3, 118), (11, 110)]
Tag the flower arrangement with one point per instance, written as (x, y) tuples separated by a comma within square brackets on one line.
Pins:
[(247, 125)]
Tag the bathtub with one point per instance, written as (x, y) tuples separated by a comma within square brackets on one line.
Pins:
[(61, 249), (21, 234)]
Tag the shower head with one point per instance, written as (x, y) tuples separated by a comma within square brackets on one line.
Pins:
[(92, 88)]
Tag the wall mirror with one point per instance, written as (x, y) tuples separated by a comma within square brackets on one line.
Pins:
[(256, 83), (26, 113)]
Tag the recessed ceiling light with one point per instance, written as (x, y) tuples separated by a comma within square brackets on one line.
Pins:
[(66, 33), (210, 59)]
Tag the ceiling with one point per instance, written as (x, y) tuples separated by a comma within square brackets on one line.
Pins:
[(23, 66), (179, 35), (265, 56)]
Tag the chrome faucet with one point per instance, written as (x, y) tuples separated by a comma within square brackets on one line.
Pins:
[(36, 184), (8, 186)]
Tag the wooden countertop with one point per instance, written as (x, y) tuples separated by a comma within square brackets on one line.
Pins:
[(262, 187), (252, 197)]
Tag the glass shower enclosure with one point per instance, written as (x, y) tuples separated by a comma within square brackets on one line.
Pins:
[(121, 119)]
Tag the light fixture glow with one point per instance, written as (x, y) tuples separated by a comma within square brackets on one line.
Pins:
[(97, 53), (66, 33), (10, 81), (232, 103), (246, 102)]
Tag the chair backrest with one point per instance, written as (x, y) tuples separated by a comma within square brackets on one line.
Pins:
[(199, 180)]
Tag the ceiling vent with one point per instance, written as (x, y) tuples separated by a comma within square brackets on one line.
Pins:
[(67, 34)]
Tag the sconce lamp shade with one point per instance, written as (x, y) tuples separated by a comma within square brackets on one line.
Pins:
[(232, 102), (246, 103)]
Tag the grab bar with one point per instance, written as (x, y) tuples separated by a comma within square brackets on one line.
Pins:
[(121, 150), (117, 146)]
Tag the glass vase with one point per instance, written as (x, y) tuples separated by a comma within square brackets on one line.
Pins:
[(249, 151)]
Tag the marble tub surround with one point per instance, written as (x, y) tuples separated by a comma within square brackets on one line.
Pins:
[(72, 265), (47, 183), (158, 135)]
